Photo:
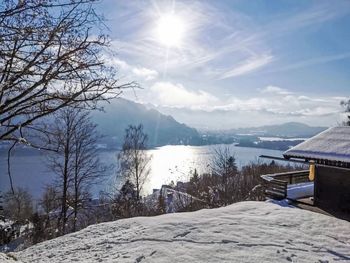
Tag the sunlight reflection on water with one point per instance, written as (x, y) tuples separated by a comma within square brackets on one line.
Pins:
[(177, 163), (169, 163)]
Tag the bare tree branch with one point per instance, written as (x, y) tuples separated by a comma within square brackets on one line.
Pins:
[(51, 57)]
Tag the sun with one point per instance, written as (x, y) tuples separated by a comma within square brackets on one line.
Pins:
[(170, 30)]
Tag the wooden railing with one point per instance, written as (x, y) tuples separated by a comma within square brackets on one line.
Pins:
[(276, 185)]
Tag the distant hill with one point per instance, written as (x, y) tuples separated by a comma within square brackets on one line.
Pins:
[(289, 129), (161, 129), (165, 130)]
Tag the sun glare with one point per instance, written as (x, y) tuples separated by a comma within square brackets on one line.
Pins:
[(170, 30)]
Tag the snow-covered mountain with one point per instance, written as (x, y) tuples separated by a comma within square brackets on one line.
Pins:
[(243, 232)]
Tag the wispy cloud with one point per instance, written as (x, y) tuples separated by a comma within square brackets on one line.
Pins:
[(313, 61), (224, 45), (315, 14), (320, 13), (210, 39), (250, 65), (216, 38)]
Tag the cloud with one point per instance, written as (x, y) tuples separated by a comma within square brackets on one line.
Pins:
[(313, 61), (170, 94), (281, 102), (133, 71), (318, 14), (287, 103), (275, 90), (313, 15), (223, 43), (118, 63), (273, 100), (271, 105), (317, 111), (249, 65), (220, 43), (215, 38), (147, 74)]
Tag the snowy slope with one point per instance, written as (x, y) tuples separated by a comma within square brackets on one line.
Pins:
[(7, 259), (243, 232)]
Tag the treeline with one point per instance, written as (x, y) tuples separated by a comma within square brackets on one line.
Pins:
[(273, 145)]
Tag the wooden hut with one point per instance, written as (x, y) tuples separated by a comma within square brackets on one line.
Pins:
[(330, 151)]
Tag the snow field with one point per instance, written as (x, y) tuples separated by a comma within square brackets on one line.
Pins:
[(242, 232)]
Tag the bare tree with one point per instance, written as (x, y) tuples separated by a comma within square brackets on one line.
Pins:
[(76, 162), (51, 56), (346, 106), (134, 159), (61, 163), (49, 202), (88, 168), (224, 165), (18, 206)]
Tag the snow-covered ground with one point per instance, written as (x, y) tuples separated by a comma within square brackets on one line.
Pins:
[(243, 232), (7, 259)]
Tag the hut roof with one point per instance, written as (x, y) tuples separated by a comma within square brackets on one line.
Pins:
[(331, 146)]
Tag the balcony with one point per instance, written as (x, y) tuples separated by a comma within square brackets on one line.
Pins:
[(288, 185)]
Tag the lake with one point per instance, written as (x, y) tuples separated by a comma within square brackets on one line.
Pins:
[(169, 163)]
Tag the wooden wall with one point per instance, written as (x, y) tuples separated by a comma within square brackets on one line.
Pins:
[(332, 188)]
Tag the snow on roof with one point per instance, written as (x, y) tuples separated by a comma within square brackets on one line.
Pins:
[(332, 144), (242, 232)]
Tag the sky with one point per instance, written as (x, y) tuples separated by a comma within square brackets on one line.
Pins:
[(235, 63)]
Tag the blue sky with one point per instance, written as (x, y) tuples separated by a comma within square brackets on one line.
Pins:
[(235, 63)]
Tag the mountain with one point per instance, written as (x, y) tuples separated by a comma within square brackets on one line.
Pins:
[(289, 129), (220, 119), (161, 129), (165, 130), (242, 232)]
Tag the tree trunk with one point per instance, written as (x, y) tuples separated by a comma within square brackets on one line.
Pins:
[(65, 183)]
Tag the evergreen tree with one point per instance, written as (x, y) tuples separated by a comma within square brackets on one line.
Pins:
[(38, 232), (126, 203), (346, 106)]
